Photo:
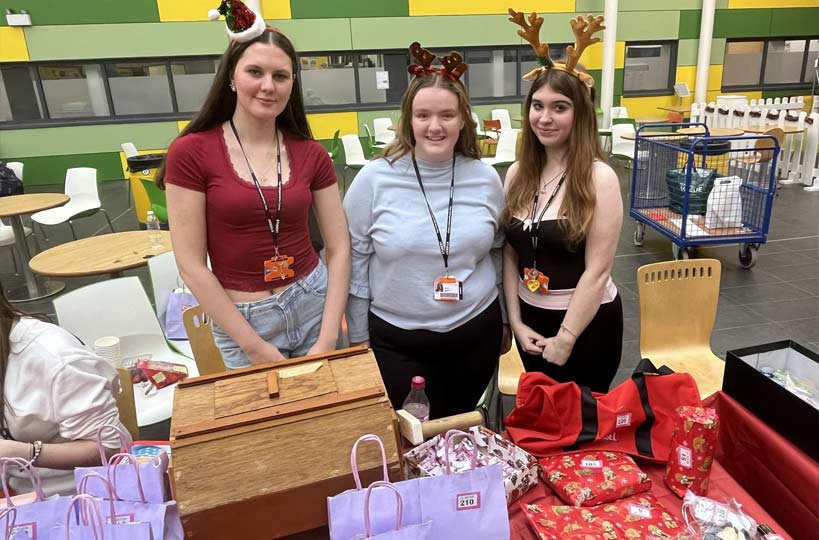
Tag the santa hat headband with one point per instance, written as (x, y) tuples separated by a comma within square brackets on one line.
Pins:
[(583, 30), (242, 23)]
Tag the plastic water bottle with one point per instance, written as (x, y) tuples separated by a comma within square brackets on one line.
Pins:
[(153, 226), (417, 403)]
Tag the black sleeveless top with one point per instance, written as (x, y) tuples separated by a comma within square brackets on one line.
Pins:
[(563, 267)]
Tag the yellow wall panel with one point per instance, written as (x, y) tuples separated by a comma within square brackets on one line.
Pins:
[(688, 75), (181, 124), (752, 4), (13, 45), (715, 77), (324, 126), (276, 9), (487, 7), (593, 56), (648, 106), (185, 10)]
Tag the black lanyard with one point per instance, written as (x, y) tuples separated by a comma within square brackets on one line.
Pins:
[(536, 224), (274, 226), (443, 246)]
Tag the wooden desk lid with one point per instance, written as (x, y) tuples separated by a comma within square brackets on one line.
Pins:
[(274, 391)]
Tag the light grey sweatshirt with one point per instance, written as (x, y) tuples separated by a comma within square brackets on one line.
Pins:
[(396, 256)]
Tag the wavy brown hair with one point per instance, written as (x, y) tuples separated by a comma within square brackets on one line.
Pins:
[(583, 148), (404, 141), (220, 103)]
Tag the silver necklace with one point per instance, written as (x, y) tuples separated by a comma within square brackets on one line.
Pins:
[(550, 182)]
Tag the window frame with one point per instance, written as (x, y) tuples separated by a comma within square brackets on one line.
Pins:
[(672, 69), (777, 86)]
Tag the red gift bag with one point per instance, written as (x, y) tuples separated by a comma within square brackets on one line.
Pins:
[(591, 478), (637, 417), (692, 450)]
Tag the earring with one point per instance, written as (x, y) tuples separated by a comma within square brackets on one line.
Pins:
[(232, 86)]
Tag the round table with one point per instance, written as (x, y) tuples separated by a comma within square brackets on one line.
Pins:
[(787, 130), (15, 207), (104, 254), (712, 132), (664, 135)]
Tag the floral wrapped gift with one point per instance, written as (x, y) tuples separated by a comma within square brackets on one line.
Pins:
[(520, 469), (591, 478), (568, 523), (642, 517), (692, 450)]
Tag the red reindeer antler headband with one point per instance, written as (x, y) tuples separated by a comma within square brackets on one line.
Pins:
[(452, 65)]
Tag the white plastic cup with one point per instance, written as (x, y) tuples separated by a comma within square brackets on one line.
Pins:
[(107, 347)]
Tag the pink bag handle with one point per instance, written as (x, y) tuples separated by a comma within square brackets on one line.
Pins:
[(131, 459), (124, 438), (354, 458), (83, 485), (36, 483), (87, 502), (10, 515), (399, 502), (450, 435)]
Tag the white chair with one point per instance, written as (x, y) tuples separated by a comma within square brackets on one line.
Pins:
[(620, 147), (17, 168), (383, 134), (81, 187), (372, 142), (165, 278), (7, 240), (505, 119), (505, 152), (120, 307), (353, 155), (129, 149), (478, 130)]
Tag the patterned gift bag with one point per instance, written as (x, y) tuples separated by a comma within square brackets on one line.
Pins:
[(591, 478), (692, 450)]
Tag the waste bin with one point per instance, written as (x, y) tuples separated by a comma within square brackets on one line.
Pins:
[(142, 166)]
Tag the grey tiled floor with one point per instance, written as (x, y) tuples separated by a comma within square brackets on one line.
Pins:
[(777, 299)]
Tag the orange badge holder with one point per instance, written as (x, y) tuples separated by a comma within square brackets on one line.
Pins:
[(278, 268), (535, 281)]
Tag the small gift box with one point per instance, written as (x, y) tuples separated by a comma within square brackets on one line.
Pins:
[(591, 478), (692, 450), (520, 469)]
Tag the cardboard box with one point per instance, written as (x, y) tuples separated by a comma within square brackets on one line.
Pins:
[(791, 416), (257, 451)]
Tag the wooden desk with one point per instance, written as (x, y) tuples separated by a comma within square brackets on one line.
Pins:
[(104, 254), (15, 207), (712, 132), (651, 120), (685, 110), (789, 130)]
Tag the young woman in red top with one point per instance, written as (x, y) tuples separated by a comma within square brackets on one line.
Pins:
[(240, 181)]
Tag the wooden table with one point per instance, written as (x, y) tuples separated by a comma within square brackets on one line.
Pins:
[(788, 130), (676, 108), (712, 132), (15, 207), (104, 254), (651, 120), (664, 135)]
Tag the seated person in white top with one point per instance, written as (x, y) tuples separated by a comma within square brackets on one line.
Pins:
[(57, 394)]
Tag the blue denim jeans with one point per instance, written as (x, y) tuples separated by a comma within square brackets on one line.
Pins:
[(290, 320)]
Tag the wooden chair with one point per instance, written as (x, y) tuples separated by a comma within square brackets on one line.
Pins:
[(126, 405), (678, 305), (510, 368), (492, 130), (200, 334)]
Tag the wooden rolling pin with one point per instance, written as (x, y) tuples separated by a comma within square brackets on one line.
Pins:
[(417, 432)]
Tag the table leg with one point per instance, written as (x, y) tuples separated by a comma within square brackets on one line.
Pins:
[(34, 288)]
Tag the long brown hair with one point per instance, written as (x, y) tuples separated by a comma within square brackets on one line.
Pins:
[(220, 102), (404, 141), (8, 316), (583, 148)]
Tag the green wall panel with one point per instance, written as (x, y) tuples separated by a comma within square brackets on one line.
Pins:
[(687, 52), (46, 170), (735, 23), (48, 12), (590, 5), (85, 139), (690, 24), (316, 34), (654, 5), (718, 51), (597, 75), (643, 25), (77, 42), (484, 112), (319, 9), (795, 22)]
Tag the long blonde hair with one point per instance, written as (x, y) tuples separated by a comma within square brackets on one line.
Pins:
[(404, 141), (583, 148)]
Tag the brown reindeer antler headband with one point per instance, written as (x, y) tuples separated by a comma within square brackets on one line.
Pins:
[(583, 30), (452, 65)]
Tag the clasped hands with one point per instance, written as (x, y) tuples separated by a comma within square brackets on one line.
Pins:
[(555, 350)]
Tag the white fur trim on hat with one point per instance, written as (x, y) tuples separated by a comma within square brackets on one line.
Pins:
[(256, 30), (214, 14)]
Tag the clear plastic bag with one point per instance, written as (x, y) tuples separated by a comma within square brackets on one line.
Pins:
[(714, 520)]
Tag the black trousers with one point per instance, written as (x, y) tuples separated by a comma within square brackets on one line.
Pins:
[(457, 365), (596, 353)]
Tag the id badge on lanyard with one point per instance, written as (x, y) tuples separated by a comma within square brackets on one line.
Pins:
[(448, 289), (533, 279)]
